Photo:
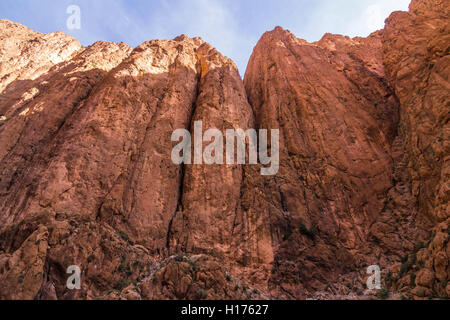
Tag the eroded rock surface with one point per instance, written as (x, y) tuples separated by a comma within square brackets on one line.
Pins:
[(86, 176), (416, 47)]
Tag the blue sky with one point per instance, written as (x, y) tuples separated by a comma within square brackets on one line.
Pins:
[(232, 26)]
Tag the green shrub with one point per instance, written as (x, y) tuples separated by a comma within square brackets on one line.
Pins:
[(121, 284)]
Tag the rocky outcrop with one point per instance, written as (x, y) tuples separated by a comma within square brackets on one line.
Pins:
[(26, 55), (337, 118), (86, 153), (416, 56), (357, 117), (86, 176)]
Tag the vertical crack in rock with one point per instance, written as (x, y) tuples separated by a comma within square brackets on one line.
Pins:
[(180, 208)]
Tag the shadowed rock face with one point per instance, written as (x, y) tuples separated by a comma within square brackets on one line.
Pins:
[(337, 118), (86, 176), (416, 56)]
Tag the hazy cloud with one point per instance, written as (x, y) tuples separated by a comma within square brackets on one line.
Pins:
[(232, 26)]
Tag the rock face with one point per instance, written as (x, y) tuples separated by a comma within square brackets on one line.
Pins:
[(337, 119), (420, 78), (86, 176)]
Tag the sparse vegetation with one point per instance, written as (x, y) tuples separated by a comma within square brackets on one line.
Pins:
[(407, 263), (406, 266), (383, 294), (390, 277), (303, 229), (193, 266), (179, 257)]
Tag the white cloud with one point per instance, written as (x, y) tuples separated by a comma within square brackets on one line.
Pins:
[(377, 12), (219, 21), (349, 17), (212, 20)]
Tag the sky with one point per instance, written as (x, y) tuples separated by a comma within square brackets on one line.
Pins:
[(232, 26)]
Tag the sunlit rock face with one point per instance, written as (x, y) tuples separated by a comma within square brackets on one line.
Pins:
[(87, 179), (417, 61)]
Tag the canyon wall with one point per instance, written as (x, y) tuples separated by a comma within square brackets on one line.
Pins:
[(86, 176)]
